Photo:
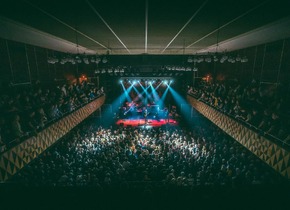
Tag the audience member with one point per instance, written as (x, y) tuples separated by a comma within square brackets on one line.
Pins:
[(263, 107), (30, 109), (163, 157)]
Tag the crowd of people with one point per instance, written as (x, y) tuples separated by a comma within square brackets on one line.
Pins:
[(156, 158), (262, 107), (27, 110)]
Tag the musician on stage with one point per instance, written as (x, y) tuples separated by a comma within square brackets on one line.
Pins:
[(166, 115), (145, 115)]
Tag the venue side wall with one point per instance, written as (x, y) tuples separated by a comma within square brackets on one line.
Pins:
[(22, 154), (274, 155)]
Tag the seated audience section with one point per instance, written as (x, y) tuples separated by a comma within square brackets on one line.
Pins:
[(268, 151), (17, 157), (262, 107)]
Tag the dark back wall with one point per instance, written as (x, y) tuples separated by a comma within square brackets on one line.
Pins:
[(22, 63), (268, 63)]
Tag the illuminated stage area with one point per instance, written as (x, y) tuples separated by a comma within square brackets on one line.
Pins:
[(144, 101), (150, 122)]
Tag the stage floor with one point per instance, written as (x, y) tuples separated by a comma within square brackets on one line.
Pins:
[(141, 122)]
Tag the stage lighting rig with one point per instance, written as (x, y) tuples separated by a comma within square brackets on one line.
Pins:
[(147, 80)]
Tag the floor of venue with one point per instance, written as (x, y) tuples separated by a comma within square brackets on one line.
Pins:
[(125, 165)]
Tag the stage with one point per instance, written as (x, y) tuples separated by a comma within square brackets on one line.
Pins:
[(141, 122), (135, 114)]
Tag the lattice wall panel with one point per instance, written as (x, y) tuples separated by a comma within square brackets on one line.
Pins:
[(274, 155), (17, 157)]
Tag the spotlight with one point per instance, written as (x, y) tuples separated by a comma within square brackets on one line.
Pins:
[(189, 60), (121, 81), (165, 82), (215, 59), (171, 81), (105, 60)]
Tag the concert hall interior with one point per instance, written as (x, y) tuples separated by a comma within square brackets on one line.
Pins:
[(144, 104)]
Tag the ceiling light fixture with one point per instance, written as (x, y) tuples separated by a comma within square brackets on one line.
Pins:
[(230, 57), (77, 59)]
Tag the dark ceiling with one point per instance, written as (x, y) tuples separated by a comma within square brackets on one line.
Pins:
[(139, 26)]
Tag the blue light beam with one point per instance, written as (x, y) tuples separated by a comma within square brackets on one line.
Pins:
[(185, 108)]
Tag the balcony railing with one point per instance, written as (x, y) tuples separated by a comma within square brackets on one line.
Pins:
[(271, 152), (15, 158)]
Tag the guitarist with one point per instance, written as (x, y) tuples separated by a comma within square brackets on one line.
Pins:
[(145, 115)]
